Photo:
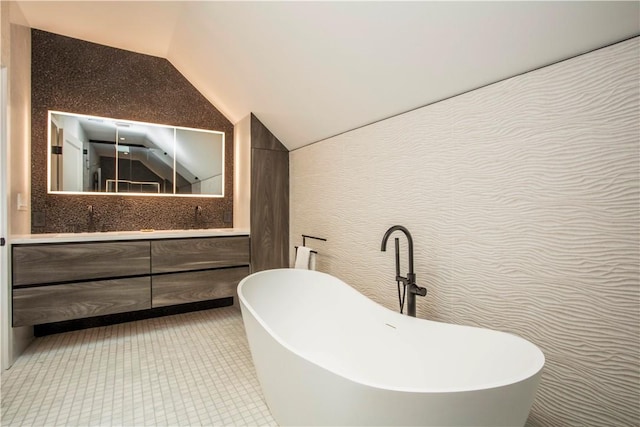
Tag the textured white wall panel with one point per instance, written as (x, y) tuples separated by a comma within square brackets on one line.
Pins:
[(523, 199)]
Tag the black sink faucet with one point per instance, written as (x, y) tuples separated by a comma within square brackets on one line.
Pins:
[(91, 225), (198, 217), (409, 281)]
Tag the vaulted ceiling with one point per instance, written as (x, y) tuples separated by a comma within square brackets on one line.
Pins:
[(311, 70)]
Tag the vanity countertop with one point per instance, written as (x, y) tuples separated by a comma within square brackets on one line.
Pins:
[(125, 235)]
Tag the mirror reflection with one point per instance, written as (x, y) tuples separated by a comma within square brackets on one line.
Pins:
[(100, 155)]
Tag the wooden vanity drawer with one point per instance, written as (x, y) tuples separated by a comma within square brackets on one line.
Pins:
[(48, 263), (199, 253), (180, 288), (46, 304)]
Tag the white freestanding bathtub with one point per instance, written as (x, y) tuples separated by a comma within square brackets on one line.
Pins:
[(327, 355)]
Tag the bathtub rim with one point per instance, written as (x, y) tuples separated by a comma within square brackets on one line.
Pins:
[(529, 374)]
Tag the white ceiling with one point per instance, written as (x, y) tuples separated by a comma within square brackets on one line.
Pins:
[(310, 70)]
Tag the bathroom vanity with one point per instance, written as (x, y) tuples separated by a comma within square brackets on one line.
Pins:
[(71, 276)]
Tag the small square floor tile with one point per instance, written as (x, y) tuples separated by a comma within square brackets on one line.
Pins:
[(187, 369)]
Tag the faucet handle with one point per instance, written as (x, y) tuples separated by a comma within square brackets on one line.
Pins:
[(417, 290)]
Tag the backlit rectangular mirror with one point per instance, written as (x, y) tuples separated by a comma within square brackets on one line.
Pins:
[(100, 155)]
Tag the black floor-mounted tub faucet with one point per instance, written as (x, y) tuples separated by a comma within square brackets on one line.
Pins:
[(409, 282)]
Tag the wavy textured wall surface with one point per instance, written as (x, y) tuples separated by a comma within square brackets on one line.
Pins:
[(523, 199)]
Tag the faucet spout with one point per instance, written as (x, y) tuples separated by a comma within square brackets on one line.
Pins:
[(91, 226), (383, 246), (197, 217)]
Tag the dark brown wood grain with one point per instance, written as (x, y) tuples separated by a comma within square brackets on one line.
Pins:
[(199, 253), (46, 304), (83, 263), (269, 200), (261, 137), (269, 210), (50, 263), (180, 288)]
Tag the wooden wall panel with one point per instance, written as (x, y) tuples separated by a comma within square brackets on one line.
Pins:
[(262, 138), (269, 200)]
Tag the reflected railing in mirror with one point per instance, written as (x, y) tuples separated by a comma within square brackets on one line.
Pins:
[(99, 155)]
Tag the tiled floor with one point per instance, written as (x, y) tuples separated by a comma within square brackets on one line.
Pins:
[(186, 370)]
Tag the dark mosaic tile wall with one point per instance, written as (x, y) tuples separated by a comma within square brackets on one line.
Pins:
[(76, 76)]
